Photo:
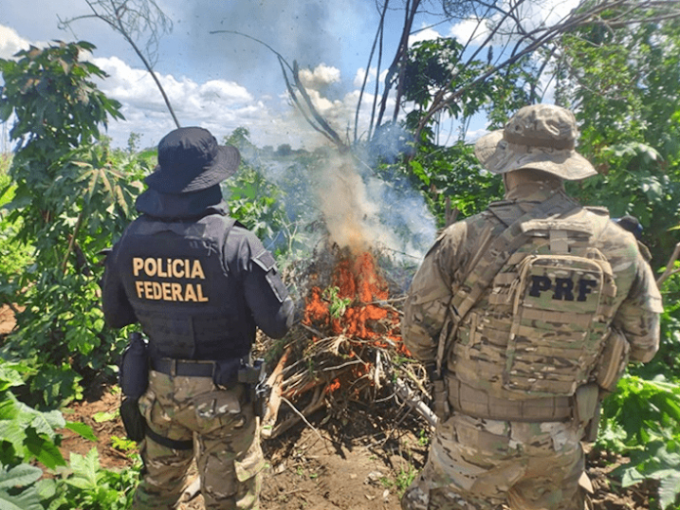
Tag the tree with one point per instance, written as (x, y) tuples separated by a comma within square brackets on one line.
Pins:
[(132, 19), (72, 194), (622, 85), (284, 150), (507, 33)]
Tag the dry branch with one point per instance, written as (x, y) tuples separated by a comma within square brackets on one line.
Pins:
[(353, 355), (670, 267), (275, 382)]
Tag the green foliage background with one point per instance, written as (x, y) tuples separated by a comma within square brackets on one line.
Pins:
[(66, 195)]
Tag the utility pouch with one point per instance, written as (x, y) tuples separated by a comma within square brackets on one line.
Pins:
[(254, 376), (440, 395), (611, 364), (587, 409), (227, 372), (133, 421), (590, 432), (134, 367)]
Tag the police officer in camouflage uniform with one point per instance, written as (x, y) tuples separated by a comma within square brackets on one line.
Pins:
[(199, 284), (527, 313)]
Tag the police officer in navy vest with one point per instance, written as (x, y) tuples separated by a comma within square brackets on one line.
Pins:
[(199, 284)]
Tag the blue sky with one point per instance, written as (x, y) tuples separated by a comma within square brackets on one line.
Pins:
[(220, 81), (225, 81)]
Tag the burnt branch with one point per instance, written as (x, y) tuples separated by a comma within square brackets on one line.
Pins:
[(332, 134), (295, 86)]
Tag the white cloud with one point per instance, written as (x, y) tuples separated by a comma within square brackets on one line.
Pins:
[(473, 136), (11, 42), (361, 75), (470, 30), (426, 34), (218, 105), (532, 14), (320, 77)]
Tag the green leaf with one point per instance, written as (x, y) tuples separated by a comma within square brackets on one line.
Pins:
[(84, 470), (631, 476), (14, 433), (9, 378), (46, 488), (82, 429), (103, 417), (18, 476), (46, 423), (45, 452), (26, 500), (6, 110), (669, 489), (419, 172)]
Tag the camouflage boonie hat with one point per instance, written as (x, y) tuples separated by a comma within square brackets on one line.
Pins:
[(539, 136)]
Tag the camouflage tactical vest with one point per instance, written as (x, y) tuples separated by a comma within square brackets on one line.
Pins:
[(539, 329)]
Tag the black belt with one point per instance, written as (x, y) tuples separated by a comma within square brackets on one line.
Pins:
[(189, 368)]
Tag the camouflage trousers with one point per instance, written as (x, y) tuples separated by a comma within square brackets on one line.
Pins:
[(477, 464), (226, 444)]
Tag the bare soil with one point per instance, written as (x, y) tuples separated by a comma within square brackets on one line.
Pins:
[(358, 459), (7, 321), (351, 462)]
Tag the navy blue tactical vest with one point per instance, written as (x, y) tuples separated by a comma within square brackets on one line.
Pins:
[(188, 302)]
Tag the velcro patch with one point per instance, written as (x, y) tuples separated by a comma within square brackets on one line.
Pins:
[(265, 260)]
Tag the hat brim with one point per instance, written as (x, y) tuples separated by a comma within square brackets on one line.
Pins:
[(500, 156), (225, 165)]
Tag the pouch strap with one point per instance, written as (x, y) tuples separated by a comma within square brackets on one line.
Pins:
[(479, 404), (169, 443), (187, 368), (494, 257)]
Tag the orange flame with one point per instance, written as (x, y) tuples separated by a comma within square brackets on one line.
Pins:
[(333, 386), (316, 309), (357, 279)]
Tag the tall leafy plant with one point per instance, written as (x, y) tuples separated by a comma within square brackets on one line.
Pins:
[(623, 86), (28, 439), (71, 195)]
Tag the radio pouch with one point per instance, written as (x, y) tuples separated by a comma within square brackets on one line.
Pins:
[(613, 361), (134, 367), (134, 380), (133, 421)]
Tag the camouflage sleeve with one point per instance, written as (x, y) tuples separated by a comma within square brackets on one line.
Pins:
[(638, 316), (429, 296)]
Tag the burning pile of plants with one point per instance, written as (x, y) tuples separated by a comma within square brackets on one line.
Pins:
[(346, 347)]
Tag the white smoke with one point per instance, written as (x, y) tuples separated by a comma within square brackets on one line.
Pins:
[(364, 212)]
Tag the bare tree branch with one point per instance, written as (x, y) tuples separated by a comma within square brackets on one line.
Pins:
[(303, 91), (530, 40), (378, 37), (133, 19), (308, 110)]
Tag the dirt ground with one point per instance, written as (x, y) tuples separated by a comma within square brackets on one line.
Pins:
[(355, 462), (7, 321), (359, 459)]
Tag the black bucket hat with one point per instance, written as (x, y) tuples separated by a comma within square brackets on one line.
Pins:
[(189, 159)]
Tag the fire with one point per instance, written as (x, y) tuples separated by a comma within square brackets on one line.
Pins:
[(366, 315), (317, 309), (356, 338), (333, 386)]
